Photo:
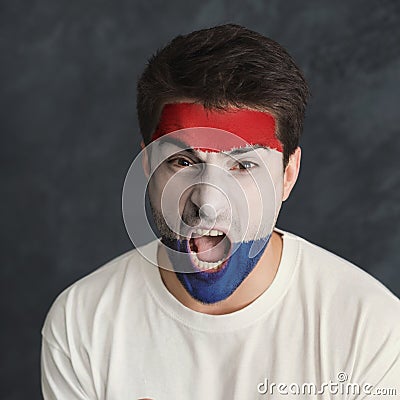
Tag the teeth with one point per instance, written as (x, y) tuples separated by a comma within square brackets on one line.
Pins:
[(212, 232), (204, 265)]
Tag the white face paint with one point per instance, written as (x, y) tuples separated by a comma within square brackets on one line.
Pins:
[(238, 192), (214, 208)]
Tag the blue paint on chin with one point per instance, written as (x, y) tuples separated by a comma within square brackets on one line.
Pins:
[(212, 287)]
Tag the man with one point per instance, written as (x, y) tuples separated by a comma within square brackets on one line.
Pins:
[(223, 305)]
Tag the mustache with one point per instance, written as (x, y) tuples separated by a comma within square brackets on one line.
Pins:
[(191, 218), (194, 216)]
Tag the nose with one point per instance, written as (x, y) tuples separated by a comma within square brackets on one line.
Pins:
[(210, 200), (209, 195)]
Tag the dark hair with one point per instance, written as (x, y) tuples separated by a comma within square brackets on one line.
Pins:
[(226, 65)]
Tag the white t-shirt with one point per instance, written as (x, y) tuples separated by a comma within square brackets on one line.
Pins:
[(119, 334)]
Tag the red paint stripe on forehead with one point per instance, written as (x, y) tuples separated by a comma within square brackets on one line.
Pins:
[(248, 126)]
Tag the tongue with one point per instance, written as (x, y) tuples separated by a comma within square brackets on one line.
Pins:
[(210, 248)]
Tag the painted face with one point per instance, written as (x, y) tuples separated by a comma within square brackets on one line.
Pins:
[(214, 195)]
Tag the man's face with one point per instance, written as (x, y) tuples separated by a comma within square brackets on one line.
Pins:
[(215, 210)]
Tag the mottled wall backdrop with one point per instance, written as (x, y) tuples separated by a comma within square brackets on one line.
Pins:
[(69, 133)]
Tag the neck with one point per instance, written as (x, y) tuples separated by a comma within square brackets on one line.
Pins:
[(256, 283)]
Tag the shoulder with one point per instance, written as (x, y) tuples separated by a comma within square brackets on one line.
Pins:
[(103, 281), (100, 293), (331, 270), (336, 283), (352, 311)]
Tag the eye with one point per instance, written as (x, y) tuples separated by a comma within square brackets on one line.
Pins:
[(180, 162), (243, 166)]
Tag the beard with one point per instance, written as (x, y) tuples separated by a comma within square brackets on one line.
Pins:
[(207, 287)]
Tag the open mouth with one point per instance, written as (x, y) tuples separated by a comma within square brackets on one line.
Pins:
[(209, 250)]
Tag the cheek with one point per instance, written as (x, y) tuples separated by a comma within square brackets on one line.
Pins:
[(169, 194), (263, 202), (278, 185), (156, 188), (184, 201), (276, 171), (153, 195), (275, 177), (262, 216)]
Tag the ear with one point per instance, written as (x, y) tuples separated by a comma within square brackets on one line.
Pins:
[(291, 173), (145, 160)]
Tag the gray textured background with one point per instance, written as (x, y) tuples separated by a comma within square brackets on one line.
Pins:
[(69, 133)]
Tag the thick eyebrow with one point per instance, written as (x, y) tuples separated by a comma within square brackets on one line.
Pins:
[(234, 152), (243, 150), (178, 143)]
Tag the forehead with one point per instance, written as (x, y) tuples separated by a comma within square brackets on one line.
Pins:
[(217, 130)]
